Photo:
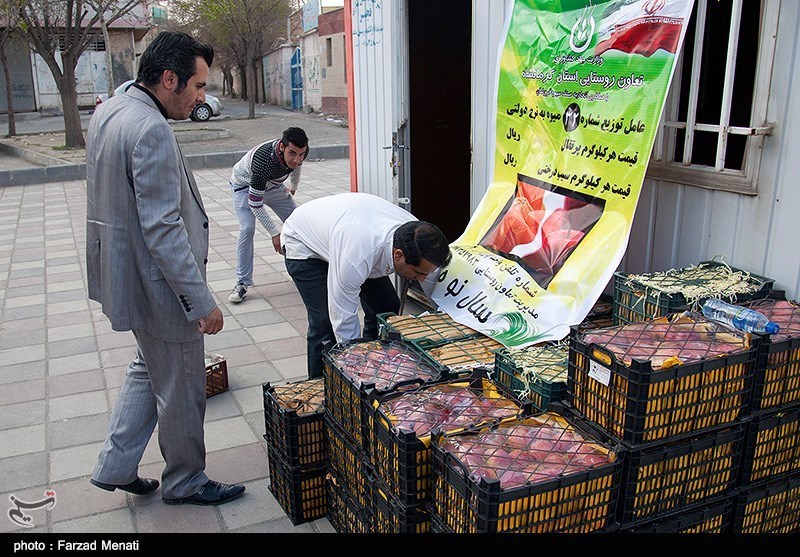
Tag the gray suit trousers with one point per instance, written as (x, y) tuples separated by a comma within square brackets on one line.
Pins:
[(162, 371)]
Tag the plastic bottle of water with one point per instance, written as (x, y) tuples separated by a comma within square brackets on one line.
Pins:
[(742, 318)]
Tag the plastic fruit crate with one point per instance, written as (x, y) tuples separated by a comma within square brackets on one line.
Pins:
[(301, 492), (661, 478), (777, 378), (639, 297), (349, 465), (710, 518), (461, 355), (353, 368), (294, 420), (772, 446), (390, 516), (345, 514), (660, 379), (428, 327), (537, 374), (771, 508), (547, 500), (401, 452), (216, 374)]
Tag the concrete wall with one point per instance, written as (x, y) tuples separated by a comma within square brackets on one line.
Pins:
[(332, 62), (312, 84), (277, 76)]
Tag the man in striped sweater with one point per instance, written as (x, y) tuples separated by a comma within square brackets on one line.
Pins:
[(258, 180)]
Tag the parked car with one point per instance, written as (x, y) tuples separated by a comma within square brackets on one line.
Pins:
[(201, 113)]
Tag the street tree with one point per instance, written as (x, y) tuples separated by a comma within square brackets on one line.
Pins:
[(60, 31), (245, 24), (8, 14)]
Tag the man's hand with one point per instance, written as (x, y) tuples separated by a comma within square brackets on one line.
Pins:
[(212, 323), (276, 243)]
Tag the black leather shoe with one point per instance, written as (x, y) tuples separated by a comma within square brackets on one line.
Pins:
[(139, 486), (212, 493)]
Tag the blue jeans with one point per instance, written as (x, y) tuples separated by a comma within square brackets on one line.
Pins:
[(311, 278), (277, 199)]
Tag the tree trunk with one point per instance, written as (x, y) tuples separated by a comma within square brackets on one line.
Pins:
[(12, 122), (251, 84), (243, 73), (256, 94), (109, 59), (73, 131)]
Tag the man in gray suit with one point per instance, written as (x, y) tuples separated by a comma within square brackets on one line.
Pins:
[(146, 255)]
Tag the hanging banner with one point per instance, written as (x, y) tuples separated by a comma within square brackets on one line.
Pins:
[(580, 91)]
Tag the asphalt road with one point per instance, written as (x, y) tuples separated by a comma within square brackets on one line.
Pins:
[(231, 131)]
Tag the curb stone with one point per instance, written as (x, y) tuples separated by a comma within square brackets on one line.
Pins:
[(61, 172)]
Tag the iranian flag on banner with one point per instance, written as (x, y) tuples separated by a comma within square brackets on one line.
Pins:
[(580, 89)]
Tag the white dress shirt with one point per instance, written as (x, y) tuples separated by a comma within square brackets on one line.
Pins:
[(354, 233)]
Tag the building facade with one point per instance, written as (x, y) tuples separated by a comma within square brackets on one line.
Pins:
[(736, 203)]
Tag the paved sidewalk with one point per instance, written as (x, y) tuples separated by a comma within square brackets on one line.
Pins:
[(61, 367)]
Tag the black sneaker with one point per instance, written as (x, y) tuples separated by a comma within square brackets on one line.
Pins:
[(238, 293)]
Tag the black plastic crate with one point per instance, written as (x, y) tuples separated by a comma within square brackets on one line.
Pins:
[(777, 378), (772, 446), (542, 380), (662, 478), (426, 327), (713, 517), (438, 526), (635, 403), (347, 384), (344, 513), (349, 464), (301, 492), (401, 457), (391, 516), (636, 301), (294, 420), (577, 502), (771, 508)]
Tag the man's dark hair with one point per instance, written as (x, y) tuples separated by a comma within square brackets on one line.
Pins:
[(420, 240), (295, 135), (176, 51)]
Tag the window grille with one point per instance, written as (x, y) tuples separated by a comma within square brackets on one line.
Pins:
[(714, 120)]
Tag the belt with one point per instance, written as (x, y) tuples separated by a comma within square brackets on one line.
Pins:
[(240, 188)]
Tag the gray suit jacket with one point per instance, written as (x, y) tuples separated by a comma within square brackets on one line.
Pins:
[(146, 227)]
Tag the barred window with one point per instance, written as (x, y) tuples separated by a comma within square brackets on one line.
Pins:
[(96, 43), (714, 119)]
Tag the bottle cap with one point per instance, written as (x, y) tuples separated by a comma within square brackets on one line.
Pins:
[(772, 328)]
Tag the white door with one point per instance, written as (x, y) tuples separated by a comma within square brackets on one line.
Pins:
[(380, 75)]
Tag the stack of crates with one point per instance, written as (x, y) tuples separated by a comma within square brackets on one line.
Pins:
[(769, 490), (649, 295), (296, 448), (680, 427), (536, 474), (402, 427), (355, 372)]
